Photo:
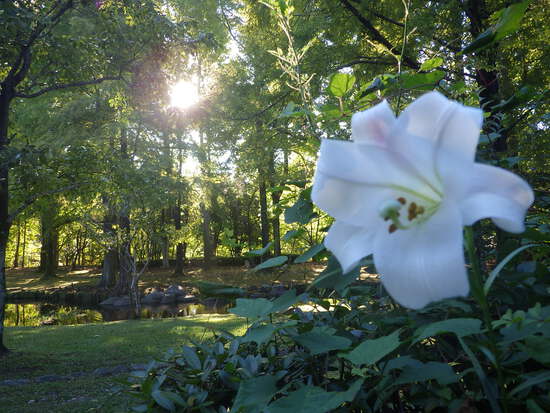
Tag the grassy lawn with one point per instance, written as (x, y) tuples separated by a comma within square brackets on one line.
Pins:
[(62, 350)]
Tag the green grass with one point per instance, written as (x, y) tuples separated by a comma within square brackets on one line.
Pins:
[(63, 350)]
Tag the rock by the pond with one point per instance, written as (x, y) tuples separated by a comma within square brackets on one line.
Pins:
[(48, 378), (277, 290), (176, 290), (188, 298), (109, 371), (153, 297), (14, 382), (117, 301), (49, 322), (168, 299)]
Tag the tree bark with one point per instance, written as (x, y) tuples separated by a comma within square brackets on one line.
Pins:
[(206, 236), (50, 240), (165, 252), (24, 246), (6, 95), (487, 79), (17, 245), (275, 198), (126, 261), (264, 221), (178, 270), (3, 290)]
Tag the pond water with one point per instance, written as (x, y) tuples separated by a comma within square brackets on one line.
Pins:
[(34, 313)]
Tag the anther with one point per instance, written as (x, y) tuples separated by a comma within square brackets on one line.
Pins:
[(392, 228), (402, 200)]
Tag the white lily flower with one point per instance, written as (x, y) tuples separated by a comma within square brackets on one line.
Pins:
[(403, 189)]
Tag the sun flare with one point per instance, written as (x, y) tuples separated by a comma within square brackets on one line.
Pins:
[(184, 94)]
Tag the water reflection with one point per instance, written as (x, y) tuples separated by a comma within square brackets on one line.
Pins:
[(33, 313)]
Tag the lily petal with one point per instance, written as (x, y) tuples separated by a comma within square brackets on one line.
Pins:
[(433, 126), (491, 192), (368, 164), (373, 125), (424, 263), (349, 244), (458, 133), (350, 202)]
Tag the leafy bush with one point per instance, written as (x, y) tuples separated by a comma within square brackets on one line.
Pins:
[(357, 351)]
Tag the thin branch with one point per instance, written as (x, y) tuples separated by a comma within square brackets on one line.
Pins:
[(22, 64), (360, 61), (385, 18), (375, 35), (260, 112), (31, 200), (66, 86)]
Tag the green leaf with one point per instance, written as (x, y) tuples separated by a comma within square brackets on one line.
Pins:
[(340, 84), (509, 20), (254, 394), (332, 276), (460, 326), (422, 81), (176, 398), (372, 351), (218, 290), (431, 64), (286, 300), (191, 357), (293, 233), (252, 308), (259, 334), (533, 407), (496, 271), (290, 111), (491, 392), (310, 253), (532, 380), (163, 401), (537, 347), (272, 262), (261, 251), (441, 372), (301, 211), (314, 399), (319, 341)]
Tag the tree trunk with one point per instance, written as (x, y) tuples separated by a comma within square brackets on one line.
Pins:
[(165, 254), (275, 198), (178, 271), (489, 95), (5, 98), (17, 244), (264, 222), (206, 236), (3, 290), (50, 239), (126, 261), (276, 225), (125, 258), (110, 259), (108, 270), (165, 244), (24, 246)]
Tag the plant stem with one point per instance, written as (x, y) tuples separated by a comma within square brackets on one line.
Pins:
[(476, 284), (476, 281)]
